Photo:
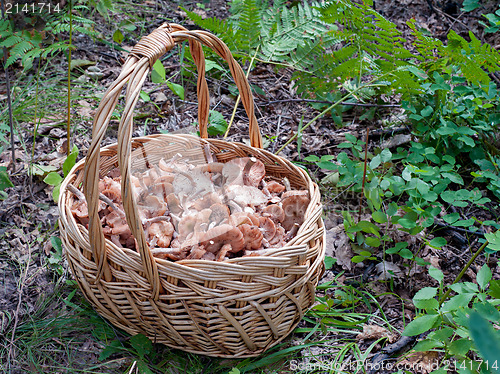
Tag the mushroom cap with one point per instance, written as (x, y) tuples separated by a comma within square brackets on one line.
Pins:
[(294, 205), (275, 187), (152, 206), (162, 188), (80, 209), (219, 213), (186, 226), (196, 252), (277, 239), (250, 171), (275, 212), (245, 195), (206, 201), (212, 167), (252, 236), (267, 227), (240, 218), (162, 164), (203, 183), (161, 231), (217, 236), (165, 177), (183, 185), (174, 205), (203, 220)]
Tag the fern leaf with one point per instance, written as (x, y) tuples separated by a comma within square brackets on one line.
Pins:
[(18, 51)]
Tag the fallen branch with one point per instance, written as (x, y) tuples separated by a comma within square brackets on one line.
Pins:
[(388, 351), (329, 102)]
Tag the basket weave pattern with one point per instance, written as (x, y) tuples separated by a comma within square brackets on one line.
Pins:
[(236, 308)]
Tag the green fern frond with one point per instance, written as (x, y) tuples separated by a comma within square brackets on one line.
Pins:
[(18, 51), (11, 40), (221, 28), (278, 33)]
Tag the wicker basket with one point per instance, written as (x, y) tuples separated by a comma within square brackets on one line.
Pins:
[(236, 308)]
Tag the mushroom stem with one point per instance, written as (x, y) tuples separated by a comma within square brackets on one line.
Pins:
[(293, 231), (156, 219), (286, 182), (80, 196)]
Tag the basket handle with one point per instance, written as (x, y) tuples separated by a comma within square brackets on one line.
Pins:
[(134, 72), (156, 44)]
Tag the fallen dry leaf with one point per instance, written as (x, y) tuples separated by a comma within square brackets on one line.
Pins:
[(338, 246), (421, 362), (376, 332), (387, 270)]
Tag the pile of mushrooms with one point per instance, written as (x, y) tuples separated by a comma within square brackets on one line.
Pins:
[(212, 212)]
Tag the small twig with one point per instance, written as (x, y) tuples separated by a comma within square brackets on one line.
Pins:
[(277, 133), (364, 174), (464, 270), (329, 102), (80, 196), (9, 100), (442, 226), (455, 20)]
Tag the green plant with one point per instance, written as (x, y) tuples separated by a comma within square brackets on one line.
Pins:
[(450, 320), (275, 34), (5, 182), (27, 45), (54, 179), (138, 345), (56, 257), (158, 75)]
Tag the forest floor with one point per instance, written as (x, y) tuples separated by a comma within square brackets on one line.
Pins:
[(44, 322)]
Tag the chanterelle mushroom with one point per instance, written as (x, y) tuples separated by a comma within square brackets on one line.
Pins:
[(246, 195), (267, 227), (294, 204), (161, 232), (247, 171), (252, 235), (275, 187), (216, 237), (274, 212)]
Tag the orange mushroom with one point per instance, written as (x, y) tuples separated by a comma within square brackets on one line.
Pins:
[(161, 232), (207, 201), (240, 218), (221, 255), (294, 205), (186, 226), (275, 187), (216, 237), (252, 236), (196, 252), (152, 206), (244, 171), (277, 239), (274, 212), (267, 227)]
